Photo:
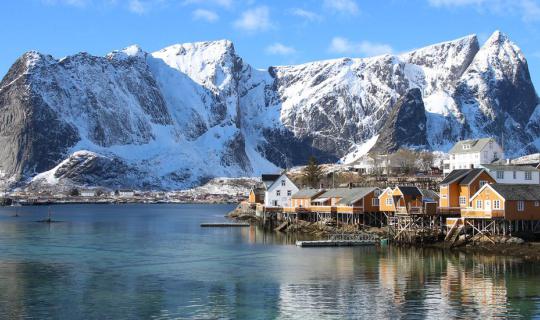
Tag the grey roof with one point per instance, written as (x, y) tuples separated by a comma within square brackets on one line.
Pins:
[(462, 176), (307, 193), (476, 145), (473, 173), (356, 195), (429, 195), (410, 191), (455, 175), (347, 195), (495, 167), (527, 192)]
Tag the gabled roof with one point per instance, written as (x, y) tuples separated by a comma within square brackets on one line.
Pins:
[(308, 193), (476, 145), (356, 195), (473, 173), (268, 179), (462, 176), (455, 175), (410, 191), (526, 192), (347, 195), (429, 195), (495, 167)]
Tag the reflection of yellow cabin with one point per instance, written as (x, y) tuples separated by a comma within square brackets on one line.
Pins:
[(459, 186), (506, 201)]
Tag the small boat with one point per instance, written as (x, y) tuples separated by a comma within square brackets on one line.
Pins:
[(49, 217), (16, 205)]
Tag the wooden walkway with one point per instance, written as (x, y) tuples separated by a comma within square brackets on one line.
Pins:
[(224, 225), (336, 243)]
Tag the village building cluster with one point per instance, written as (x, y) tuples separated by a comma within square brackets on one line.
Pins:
[(480, 190)]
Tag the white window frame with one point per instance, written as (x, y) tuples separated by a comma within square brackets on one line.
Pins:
[(500, 174), (479, 204), (528, 175), (496, 204), (375, 202), (389, 201), (289, 193), (482, 183), (537, 203), (515, 175), (278, 193), (283, 183), (521, 205), (462, 200)]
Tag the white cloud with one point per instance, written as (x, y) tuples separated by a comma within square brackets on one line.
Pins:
[(305, 14), (342, 6), (454, 3), (221, 3), (366, 48), (74, 3), (280, 49), (137, 6), (257, 19), (206, 15), (529, 10)]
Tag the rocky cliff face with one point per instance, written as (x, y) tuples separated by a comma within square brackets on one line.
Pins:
[(405, 125), (182, 115)]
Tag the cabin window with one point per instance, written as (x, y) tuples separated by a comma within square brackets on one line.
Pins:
[(515, 175), (478, 204), (466, 146), (495, 155), (496, 204), (521, 205), (500, 174), (375, 202), (462, 200), (278, 193), (289, 193), (444, 195), (389, 201), (536, 203), (482, 183), (282, 183), (274, 203), (528, 175)]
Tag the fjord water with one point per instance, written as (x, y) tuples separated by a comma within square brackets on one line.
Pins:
[(155, 262)]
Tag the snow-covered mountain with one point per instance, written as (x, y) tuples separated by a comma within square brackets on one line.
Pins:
[(182, 115)]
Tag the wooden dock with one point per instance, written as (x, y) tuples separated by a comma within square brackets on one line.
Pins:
[(337, 243), (223, 225)]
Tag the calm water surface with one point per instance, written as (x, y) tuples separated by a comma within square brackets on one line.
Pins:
[(155, 262)]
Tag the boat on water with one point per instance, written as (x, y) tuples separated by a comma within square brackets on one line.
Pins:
[(49, 218)]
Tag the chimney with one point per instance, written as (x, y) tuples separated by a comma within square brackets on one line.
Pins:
[(507, 161)]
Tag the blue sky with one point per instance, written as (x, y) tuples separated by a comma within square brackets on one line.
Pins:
[(264, 32)]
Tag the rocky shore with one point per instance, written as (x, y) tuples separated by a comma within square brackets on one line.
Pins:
[(496, 246)]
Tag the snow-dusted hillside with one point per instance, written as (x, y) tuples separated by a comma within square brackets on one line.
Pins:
[(190, 112)]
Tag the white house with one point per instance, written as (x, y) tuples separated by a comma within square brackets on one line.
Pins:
[(126, 193), (279, 193), (88, 193), (513, 174), (467, 154)]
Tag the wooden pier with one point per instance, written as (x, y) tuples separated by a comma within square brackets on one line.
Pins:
[(336, 243), (342, 240), (224, 225)]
